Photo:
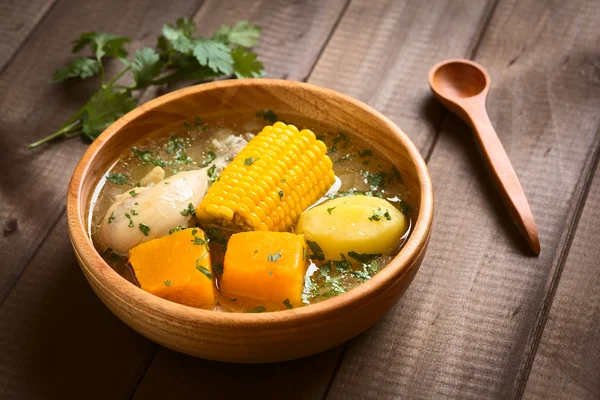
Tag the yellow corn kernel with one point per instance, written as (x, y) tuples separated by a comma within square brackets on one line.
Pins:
[(280, 173)]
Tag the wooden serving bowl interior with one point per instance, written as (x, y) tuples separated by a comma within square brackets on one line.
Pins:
[(239, 337)]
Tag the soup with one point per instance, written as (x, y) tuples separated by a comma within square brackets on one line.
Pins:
[(235, 216)]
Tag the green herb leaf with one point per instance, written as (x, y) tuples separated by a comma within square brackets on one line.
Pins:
[(194, 231), (104, 108), (316, 250), (203, 269), (168, 283), (133, 212), (365, 153), (257, 309), (190, 210), (287, 304), (270, 272), (112, 217), (198, 241), (379, 215), (117, 179), (244, 33), (342, 265), (145, 67), (329, 210), (102, 44), (212, 173), (267, 115), (363, 257), (281, 194), (210, 157), (218, 268), (82, 67), (214, 55), (250, 160), (131, 225), (176, 229), (274, 257), (404, 207), (376, 179), (144, 228), (132, 193), (216, 235), (246, 64)]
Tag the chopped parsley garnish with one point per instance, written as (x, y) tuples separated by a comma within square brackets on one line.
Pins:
[(111, 254), (273, 257), (316, 250), (287, 304), (131, 224), (117, 179), (175, 144), (354, 192), (367, 272), (336, 288), (320, 137), (257, 309), (133, 212), (210, 157), (304, 254), (379, 215), (212, 173), (234, 299), (341, 137), (363, 257), (203, 269), (365, 153), (343, 264), (216, 235), (197, 124), (282, 180), (267, 115), (198, 241), (190, 210), (347, 157), (281, 194), (255, 251), (168, 283), (132, 193), (250, 160), (366, 162), (148, 156), (194, 231), (144, 228), (218, 269), (183, 159), (176, 229), (329, 210), (112, 217), (270, 272), (374, 179)]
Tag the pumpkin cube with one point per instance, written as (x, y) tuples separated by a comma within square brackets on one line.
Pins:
[(176, 267), (266, 266)]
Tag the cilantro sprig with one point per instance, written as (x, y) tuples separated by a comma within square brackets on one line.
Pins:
[(179, 55)]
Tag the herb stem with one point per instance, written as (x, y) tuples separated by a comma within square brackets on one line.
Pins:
[(117, 76), (67, 129)]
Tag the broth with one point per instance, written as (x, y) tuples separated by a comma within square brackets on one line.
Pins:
[(359, 167)]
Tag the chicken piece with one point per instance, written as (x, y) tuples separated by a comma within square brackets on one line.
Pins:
[(146, 213)]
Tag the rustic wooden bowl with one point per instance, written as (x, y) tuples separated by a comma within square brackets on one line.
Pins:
[(239, 337)]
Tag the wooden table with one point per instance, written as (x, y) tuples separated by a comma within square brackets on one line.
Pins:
[(482, 319)]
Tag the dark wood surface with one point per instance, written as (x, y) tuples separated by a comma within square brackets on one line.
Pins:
[(482, 319)]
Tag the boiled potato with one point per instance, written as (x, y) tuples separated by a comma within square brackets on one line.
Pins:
[(360, 224)]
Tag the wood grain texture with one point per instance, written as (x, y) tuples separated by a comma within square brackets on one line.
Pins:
[(567, 362), (381, 53), (34, 188), (57, 339), (17, 20), (467, 325)]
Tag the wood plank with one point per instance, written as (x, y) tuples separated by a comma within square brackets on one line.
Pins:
[(33, 189), (171, 374), (57, 338), (567, 362), (17, 20), (382, 51), (466, 327)]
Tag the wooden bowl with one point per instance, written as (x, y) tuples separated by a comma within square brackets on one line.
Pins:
[(239, 337)]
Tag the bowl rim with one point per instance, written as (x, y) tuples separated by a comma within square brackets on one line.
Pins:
[(96, 268)]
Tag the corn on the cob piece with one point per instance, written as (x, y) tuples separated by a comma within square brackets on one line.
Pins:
[(280, 173)]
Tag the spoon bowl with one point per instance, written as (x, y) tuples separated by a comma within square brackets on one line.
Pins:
[(462, 86)]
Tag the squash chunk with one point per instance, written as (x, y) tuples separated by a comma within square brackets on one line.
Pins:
[(265, 266), (176, 267)]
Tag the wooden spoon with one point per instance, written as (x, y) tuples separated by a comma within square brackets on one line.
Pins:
[(462, 86)]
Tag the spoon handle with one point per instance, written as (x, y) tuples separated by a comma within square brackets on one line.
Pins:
[(504, 174)]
